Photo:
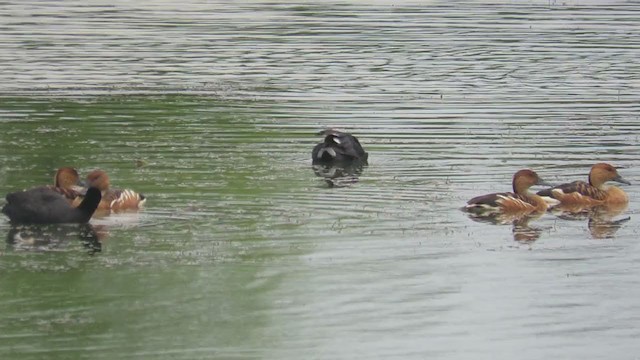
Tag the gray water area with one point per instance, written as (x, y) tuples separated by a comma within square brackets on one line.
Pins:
[(211, 109)]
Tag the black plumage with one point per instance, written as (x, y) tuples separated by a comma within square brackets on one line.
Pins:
[(43, 205), (338, 147)]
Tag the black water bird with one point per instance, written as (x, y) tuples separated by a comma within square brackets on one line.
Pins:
[(42, 205), (338, 147)]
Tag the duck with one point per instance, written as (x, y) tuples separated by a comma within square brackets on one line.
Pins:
[(114, 199), (520, 201), (580, 194), (66, 177), (67, 182), (44, 205), (338, 147)]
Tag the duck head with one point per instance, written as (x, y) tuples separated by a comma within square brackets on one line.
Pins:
[(66, 177), (98, 179), (524, 179), (602, 172)]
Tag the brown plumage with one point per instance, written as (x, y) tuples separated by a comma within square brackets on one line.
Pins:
[(582, 194), (114, 199), (67, 182), (520, 201)]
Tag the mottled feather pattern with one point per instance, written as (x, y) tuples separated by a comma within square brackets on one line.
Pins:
[(585, 189), (117, 199), (508, 201), (515, 202), (577, 191)]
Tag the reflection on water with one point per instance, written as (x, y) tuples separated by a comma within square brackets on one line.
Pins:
[(601, 220), (605, 228), (207, 108), (340, 174), (522, 230), (54, 237)]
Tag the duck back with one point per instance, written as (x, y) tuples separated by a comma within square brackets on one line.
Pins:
[(119, 200)]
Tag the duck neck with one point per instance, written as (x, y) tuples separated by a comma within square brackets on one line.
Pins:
[(538, 202), (520, 188), (596, 181)]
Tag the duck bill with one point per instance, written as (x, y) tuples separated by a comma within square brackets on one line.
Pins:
[(621, 180)]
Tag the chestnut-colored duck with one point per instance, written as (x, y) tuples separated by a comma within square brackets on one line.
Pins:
[(67, 182), (520, 201), (595, 192), (114, 199)]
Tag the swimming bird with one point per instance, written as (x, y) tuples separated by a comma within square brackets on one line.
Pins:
[(67, 182), (43, 205), (520, 201), (338, 146), (114, 199), (66, 177), (595, 192)]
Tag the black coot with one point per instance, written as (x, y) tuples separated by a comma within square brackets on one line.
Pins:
[(338, 147), (43, 205)]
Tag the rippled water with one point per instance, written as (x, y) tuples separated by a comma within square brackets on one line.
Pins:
[(210, 109)]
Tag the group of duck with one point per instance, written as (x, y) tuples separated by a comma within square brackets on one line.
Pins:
[(570, 197), (573, 197), (576, 196), (72, 201), (69, 199)]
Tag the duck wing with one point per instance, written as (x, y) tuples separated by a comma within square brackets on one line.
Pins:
[(506, 201), (120, 199), (574, 191)]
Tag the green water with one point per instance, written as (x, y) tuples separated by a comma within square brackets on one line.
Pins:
[(242, 251)]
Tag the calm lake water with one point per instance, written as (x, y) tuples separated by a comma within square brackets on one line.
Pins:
[(211, 109)]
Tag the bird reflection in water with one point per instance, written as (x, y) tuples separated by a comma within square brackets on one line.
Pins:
[(340, 174), (54, 237), (522, 231), (602, 221)]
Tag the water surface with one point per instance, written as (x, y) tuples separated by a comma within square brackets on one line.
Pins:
[(210, 109)]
